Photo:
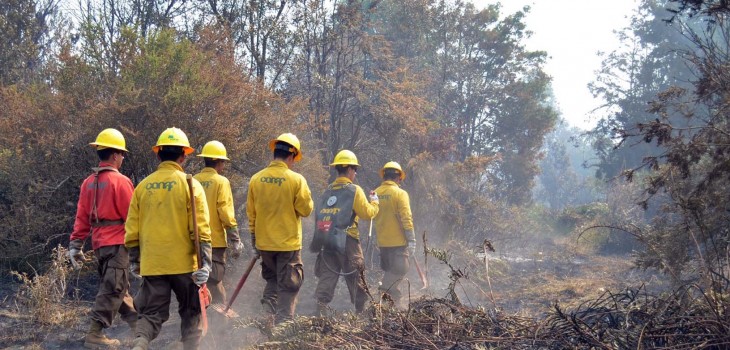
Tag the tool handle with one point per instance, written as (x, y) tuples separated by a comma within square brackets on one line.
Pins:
[(250, 266), (424, 280), (189, 179)]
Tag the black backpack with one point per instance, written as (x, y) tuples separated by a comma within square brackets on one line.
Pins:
[(334, 216)]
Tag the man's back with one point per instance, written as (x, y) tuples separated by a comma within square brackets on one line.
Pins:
[(113, 192), (160, 220), (277, 199), (220, 204), (395, 215)]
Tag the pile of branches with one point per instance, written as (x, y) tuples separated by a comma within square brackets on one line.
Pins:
[(427, 324), (631, 319), (689, 318)]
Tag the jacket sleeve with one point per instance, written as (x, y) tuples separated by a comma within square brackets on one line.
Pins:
[(226, 210), (362, 208), (404, 211), (303, 204), (251, 208), (201, 212), (82, 226), (131, 225)]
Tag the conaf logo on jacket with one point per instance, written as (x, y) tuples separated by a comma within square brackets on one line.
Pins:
[(273, 180), (206, 184), (165, 185)]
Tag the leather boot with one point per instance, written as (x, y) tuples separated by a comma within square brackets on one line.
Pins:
[(269, 306), (140, 343), (321, 309), (95, 338), (191, 344)]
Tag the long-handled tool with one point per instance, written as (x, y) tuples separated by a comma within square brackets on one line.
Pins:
[(424, 280), (226, 309), (368, 249), (203, 292)]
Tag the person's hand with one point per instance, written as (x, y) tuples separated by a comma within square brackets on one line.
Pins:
[(201, 275), (256, 253), (234, 242), (374, 197), (75, 254), (134, 270), (236, 249), (412, 249)]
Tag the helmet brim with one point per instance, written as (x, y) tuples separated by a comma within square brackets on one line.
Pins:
[(203, 155), (107, 145), (187, 150)]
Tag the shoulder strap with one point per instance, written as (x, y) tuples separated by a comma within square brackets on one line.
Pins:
[(94, 214)]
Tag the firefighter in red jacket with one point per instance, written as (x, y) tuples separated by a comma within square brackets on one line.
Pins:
[(101, 212)]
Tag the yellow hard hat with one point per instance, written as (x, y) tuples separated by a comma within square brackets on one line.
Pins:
[(110, 138), (215, 150), (173, 137), (393, 165), (345, 157), (290, 139)]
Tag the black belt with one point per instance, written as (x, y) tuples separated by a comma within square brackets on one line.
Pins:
[(103, 223)]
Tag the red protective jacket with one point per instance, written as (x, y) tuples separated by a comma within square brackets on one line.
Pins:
[(112, 204)]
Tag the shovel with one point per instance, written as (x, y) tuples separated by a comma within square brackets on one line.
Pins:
[(226, 309), (203, 292)]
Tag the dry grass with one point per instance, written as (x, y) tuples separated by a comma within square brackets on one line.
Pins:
[(40, 305)]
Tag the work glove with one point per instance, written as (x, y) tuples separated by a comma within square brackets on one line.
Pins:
[(412, 248), (134, 262), (256, 253), (200, 276), (374, 197), (75, 254), (411, 239), (234, 242)]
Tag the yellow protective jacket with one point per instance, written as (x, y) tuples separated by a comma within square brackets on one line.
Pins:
[(395, 215), (220, 205), (277, 200), (360, 206), (160, 223)]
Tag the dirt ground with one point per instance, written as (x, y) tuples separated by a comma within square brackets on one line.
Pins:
[(525, 282)]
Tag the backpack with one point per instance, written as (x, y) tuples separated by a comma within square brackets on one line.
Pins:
[(333, 216)]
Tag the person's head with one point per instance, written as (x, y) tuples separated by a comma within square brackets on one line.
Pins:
[(287, 148), (346, 164), (110, 147), (171, 153), (172, 145), (392, 171), (214, 155)]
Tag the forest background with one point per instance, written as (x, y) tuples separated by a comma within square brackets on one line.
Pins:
[(445, 88)]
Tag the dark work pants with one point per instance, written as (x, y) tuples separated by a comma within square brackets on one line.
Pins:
[(284, 274), (113, 295), (330, 265), (215, 280), (153, 306), (394, 262)]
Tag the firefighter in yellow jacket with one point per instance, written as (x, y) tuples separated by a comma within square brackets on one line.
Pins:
[(159, 235), (394, 229), (339, 252), (277, 200), (223, 225)]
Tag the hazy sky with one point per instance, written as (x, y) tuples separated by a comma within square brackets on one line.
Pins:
[(572, 31)]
